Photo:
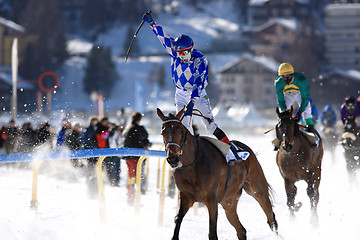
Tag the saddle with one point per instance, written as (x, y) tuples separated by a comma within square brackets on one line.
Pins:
[(224, 148), (311, 137)]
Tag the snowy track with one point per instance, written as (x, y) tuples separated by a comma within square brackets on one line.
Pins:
[(66, 211)]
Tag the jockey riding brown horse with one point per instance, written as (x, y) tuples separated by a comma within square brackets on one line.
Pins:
[(201, 174), (297, 160)]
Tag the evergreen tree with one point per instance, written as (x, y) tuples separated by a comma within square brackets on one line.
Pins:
[(100, 73), (59, 49)]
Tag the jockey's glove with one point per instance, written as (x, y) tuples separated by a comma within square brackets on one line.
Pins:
[(147, 18), (189, 108), (297, 116)]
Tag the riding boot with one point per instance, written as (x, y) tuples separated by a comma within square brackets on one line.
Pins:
[(220, 135), (311, 129), (277, 141)]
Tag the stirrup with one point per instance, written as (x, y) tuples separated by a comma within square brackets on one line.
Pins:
[(239, 153)]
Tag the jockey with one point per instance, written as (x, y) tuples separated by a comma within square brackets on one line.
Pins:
[(351, 107), (293, 88), (328, 116), (189, 69)]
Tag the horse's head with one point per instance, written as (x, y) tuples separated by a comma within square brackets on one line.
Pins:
[(288, 128), (174, 135)]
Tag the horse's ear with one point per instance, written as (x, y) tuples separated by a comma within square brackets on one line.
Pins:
[(180, 113), (277, 111), (160, 114), (291, 109)]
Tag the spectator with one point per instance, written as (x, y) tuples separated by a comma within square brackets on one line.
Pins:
[(10, 137), (102, 134), (45, 136), (27, 139), (113, 164), (60, 140), (2, 137), (135, 136), (89, 134), (73, 141)]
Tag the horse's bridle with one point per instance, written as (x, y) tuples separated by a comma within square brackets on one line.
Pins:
[(295, 134), (178, 145)]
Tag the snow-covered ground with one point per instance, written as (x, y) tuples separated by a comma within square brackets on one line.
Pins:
[(66, 211)]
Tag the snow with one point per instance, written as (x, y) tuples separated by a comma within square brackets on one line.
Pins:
[(66, 212), (12, 25), (291, 24)]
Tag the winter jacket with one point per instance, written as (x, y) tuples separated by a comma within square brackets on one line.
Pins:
[(299, 83), (344, 112), (102, 137), (135, 136)]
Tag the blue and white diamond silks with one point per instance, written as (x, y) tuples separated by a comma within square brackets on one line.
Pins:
[(189, 77)]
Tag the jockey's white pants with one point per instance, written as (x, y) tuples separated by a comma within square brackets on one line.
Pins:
[(295, 98), (202, 104)]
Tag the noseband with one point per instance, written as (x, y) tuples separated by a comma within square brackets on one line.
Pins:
[(174, 143)]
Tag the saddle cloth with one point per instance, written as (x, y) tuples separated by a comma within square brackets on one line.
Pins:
[(224, 148), (311, 137)]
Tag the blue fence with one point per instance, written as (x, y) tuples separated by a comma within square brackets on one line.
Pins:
[(88, 153)]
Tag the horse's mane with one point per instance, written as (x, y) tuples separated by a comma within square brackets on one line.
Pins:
[(285, 114), (170, 116)]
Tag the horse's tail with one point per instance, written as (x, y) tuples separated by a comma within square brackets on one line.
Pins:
[(272, 194)]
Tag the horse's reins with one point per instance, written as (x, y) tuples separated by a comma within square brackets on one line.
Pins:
[(178, 145), (199, 114)]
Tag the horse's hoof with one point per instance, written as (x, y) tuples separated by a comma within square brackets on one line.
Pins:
[(297, 206)]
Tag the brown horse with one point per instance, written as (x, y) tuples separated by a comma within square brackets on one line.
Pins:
[(297, 160), (201, 174)]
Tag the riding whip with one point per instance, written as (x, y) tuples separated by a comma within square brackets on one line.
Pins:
[(135, 34)]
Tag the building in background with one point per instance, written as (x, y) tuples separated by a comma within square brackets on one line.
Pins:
[(25, 91), (261, 11), (342, 34), (274, 37), (336, 85), (250, 79)]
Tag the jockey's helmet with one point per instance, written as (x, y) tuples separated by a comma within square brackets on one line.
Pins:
[(285, 69), (183, 47), (350, 103)]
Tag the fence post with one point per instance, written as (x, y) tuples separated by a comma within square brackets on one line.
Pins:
[(100, 188), (162, 195), (34, 202), (138, 184)]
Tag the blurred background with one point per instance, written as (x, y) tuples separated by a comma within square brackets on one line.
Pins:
[(83, 43)]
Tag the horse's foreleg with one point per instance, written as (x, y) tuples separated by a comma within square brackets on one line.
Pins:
[(313, 189), (212, 207), (291, 191), (230, 207), (185, 203)]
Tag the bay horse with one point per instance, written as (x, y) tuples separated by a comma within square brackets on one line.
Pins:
[(297, 160), (351, 144), (200, 172)]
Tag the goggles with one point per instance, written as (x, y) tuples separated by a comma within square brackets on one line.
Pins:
[(287, 78), (183, 53)]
